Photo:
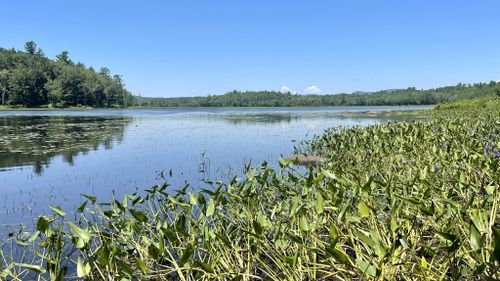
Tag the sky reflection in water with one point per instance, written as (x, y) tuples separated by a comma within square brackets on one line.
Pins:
[(49, 158)]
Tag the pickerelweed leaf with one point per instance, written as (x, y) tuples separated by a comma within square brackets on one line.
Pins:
[(338, 255), (82, 269), (35, 268), (363, 210), (141, 265), (476, 239), (91, 198), (192, 199), (187, 255), (82, 207), (139, 215), (319, 204), (446, 235), (58, 211), (43, 223), (333, 233), (80, 233), (367, 268), (153, 251), (210, 208), (304, 224)]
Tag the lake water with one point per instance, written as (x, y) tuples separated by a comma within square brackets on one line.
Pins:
[(51, 157)]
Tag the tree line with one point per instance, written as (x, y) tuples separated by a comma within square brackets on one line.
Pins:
[(28, 78), (408, 96)]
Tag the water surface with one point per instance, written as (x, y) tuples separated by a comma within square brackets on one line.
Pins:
[(51, 157)]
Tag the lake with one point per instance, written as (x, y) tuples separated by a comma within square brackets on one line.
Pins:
[(51, 157)]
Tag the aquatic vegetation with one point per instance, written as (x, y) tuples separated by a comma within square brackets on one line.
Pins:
[(415, 200)]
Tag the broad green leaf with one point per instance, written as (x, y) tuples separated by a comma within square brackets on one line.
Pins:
[(463, 181), (476, 239), (187, 255), (319, 204), (490, 189), (284, 163), (34, 236), (153, 251), (43, 223), (366, 187), (363, 210), (210, 208), (394, 224), (295, 238), (478, 218), (127, 269), (352, 218), (337, 254), (91, 198), (257, 227), (447, 236), (423, 173), (365, 238), (141, 265), (366, 268), (192, 199), (423, 263), (334, 234), (263, 221), (82, 270), (82, 207), (304, 224), (58, 211), (35, 268), (78, 232), (329, 174), (379, 247), (21, 242), (138, 215)]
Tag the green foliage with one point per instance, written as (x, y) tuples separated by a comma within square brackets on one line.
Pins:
[(396, 201), (27, 87), (483, 103), (30, 79), (409, 96)]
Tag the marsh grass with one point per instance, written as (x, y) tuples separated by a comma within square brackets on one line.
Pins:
[(397, 201)]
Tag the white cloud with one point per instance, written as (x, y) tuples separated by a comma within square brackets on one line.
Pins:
[(312, 90), (285, 89)]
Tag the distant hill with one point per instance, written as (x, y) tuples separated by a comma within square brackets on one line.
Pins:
[(409, 96), (361, 93)]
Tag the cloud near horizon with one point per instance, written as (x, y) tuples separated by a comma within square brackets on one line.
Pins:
[(286, 89), (312, 90)]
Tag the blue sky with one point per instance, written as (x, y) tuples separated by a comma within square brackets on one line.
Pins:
[(189, 48)]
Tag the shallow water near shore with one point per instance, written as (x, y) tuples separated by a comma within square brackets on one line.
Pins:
[(51, 157)]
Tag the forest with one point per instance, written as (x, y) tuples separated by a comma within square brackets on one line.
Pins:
[(408, 96), (29, 79)]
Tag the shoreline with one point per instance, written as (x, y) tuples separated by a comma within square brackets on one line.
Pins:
[(8, 108)]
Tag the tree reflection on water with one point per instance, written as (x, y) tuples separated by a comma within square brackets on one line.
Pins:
[(36, 140)]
